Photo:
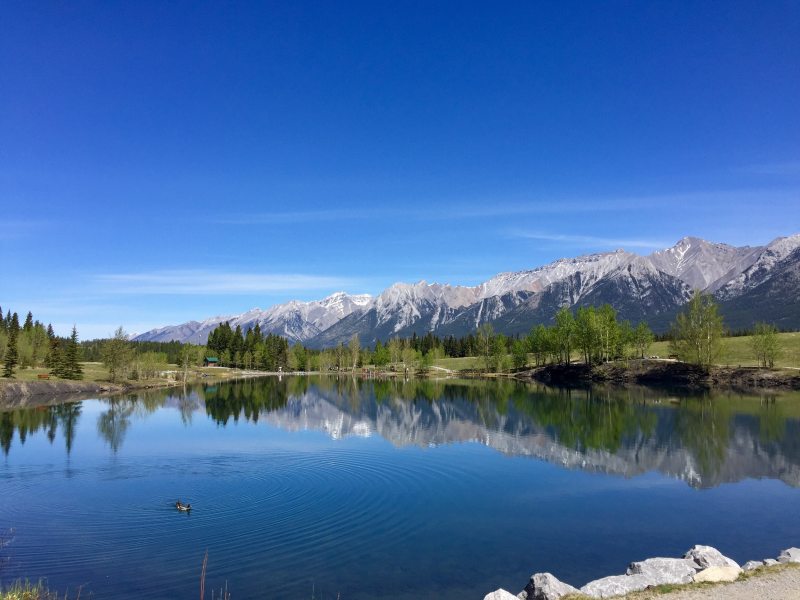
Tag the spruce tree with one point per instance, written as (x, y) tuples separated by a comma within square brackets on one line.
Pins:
[(72, 368), (28, 322), (55, 358), (12, 356)]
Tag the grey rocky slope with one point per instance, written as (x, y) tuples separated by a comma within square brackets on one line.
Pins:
[(749, 281)]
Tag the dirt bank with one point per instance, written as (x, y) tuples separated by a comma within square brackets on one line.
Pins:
[(16, 392), (667, 373)]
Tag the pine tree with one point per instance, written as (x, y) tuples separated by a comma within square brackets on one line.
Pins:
[(28, 322), (55, 358), (72, 368), (11, 356)]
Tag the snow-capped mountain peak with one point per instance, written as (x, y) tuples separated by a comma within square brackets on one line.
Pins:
[(640, 287)]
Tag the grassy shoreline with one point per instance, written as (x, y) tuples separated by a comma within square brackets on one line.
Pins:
[(657, 372)]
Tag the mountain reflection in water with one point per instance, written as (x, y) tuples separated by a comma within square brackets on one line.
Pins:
[(703, 439)]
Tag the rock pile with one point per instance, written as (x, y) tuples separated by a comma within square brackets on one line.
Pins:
[(699, 564)]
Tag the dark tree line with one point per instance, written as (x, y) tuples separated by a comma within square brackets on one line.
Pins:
[(248, 350)]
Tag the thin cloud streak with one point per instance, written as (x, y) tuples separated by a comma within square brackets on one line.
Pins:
[(203, 282), (781, 169), (588, 240), (17, 228), (489, 208), (423, 214)]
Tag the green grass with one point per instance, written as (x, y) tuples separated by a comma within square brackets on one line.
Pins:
[(95, 371), (465, 363), (737, 351)]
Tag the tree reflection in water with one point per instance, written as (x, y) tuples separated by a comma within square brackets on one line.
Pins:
[(704, 438)]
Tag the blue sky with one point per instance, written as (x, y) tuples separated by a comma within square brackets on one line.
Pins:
[(167, 161)]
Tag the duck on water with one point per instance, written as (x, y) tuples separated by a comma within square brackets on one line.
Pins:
[(184, 507)]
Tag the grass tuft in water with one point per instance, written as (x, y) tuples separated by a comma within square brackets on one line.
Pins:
[(25, 590)]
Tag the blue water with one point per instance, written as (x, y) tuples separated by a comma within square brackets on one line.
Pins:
[(322, 488)]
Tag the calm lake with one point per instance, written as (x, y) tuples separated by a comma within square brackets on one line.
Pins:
[(331, 488)]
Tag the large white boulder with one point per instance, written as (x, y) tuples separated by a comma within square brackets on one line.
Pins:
[(790, 555), (715, 574), (706, 556), (662, 571), (615, 585), (545, 586), (500, 594)]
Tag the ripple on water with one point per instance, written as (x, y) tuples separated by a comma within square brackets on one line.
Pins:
[(283, 508)]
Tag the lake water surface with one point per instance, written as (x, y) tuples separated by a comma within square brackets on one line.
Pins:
[(335, 488)]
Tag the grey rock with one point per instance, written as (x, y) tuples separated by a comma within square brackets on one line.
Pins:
[(706, 556), (661, 571), (616, 585), (545, 586), (752, 565), (500, 594), (769, 562), (790, 555)]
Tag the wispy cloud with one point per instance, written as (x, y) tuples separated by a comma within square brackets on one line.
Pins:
[(780, 169), (207, 282), (518, 206), (588, 240), (17, 228), (438, 212)]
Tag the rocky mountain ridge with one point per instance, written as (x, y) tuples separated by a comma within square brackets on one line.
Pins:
[(650, 288)]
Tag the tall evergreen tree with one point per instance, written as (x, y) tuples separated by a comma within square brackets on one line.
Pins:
[(55, 358), (28, 322), (72, 366), (12, 355)]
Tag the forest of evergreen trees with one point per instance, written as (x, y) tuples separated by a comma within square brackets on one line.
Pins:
[(594, 332), (34, 345), (248, 350)]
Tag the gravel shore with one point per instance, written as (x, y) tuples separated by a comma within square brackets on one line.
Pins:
[(774, 583)]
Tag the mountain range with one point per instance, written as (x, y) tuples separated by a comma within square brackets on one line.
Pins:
[(751, 284)]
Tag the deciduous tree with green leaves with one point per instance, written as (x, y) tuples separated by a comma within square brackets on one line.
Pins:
[(697, 334), (642, 339), (485, 339), (765, 344), (519, 354), (564, 334), (117, 355)]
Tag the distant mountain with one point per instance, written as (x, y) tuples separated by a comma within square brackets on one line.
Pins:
[(752, 283), (773, 297), (297, 321), (704, 265)]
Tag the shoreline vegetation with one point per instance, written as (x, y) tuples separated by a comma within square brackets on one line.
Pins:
[(589, 345), (648, 372)]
